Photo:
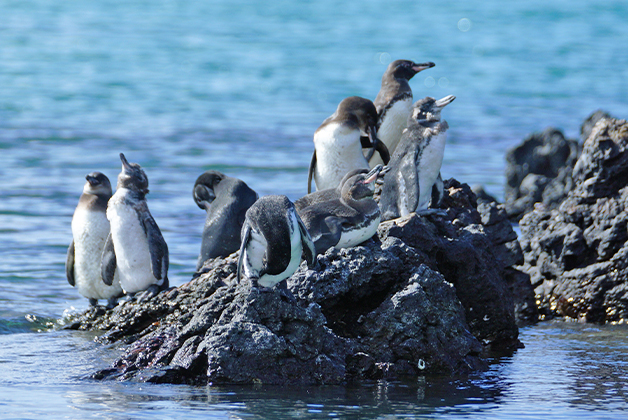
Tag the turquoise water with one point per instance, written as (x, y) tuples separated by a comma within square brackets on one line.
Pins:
[(240, 86)]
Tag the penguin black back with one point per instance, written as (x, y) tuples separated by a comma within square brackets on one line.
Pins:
[(226, 201), (268, 217)]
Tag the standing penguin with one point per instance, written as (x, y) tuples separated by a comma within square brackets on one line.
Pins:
[(135, 245), (347, 220), (415, 166), (338, 143), (273, 242), (394, 102), (90, 229), (226, 201)]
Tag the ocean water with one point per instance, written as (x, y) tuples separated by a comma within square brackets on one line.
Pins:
[(240, 86)]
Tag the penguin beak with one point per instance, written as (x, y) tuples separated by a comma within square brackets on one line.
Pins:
[(126, 166), (441, 103), (373, 174), (422, 66), (92, 180), (380, 176)]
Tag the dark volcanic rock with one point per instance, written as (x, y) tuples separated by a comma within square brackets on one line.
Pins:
[(427, 295), (576, 254), (539, 171), (589, 123)]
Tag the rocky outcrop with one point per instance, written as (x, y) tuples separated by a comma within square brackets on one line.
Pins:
[(427, 295), (577, 254), (539, 171)]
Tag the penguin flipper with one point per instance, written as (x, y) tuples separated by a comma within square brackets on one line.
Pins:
[(244, 240), (69, 264), (157, 247), (438, 190), (309, 250), (408, 171), (331, 230), (367, 144), (108, 262), (310, 172), (383, 151)]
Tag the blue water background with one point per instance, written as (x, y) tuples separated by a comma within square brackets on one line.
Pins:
[(240, 86)]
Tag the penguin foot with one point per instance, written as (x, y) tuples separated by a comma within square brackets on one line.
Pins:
[(93, 302), (152, 291), (112, 303), (431, 212), (287, 296)]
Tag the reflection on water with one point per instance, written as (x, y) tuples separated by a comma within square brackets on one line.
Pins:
[(565, 371)]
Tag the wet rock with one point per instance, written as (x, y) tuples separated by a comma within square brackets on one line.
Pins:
[(427, 295), (576, 253), (539, 171)]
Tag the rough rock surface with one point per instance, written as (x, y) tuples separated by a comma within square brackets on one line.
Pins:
[(426, 295), (539, 171), (577, 254)]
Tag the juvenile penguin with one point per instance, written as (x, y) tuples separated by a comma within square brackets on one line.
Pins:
[(226, 201), (414, 175), (135, 245), (347, 220), (338, 143), (326, 194), (274, 240), (90, 229), (394, 102)]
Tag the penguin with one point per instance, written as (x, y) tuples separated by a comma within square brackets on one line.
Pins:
[(348, 220), (274, 239), (394, 103), (90, 229), (226, 201), (135, 245), (326, 194), (414, 176), (339, 140)]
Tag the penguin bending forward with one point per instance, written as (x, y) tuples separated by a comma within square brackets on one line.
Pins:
[(135, 245), (347, 220), (414, 176), (394, 103), (90, 229), (226, 201), (274, 240), (339, 140)]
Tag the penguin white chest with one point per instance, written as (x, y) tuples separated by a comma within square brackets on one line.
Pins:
[(394, 122), (428, 167), (338, 151), (131, 245), (358, 235), (90, 230)]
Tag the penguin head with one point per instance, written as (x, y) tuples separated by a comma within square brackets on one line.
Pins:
[(428, 108), (359, 111), (132, 177), (362, 185), (205, 188), (406, 69), (97, 184)]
